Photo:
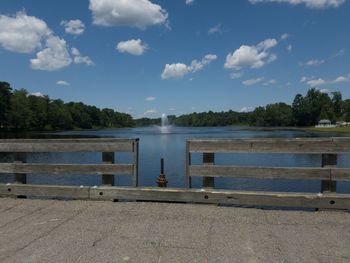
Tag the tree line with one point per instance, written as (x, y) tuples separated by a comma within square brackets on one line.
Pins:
[(305, 110), (24, 112), (21, 111)]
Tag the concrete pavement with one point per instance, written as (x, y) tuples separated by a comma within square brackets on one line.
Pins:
[(88, 231)]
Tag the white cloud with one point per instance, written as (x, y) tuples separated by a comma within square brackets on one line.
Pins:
[(25, 34), (189, 2), (305, 79), (150, 112), (63, 83), (236, 75), (313, 4), (79, 59), (22, 33), (246, 109), (133, 13), (37, 94), (251, 56), (215, 29), (314, 83), (151, 98), (284, 36), (271, 58), (324, 90), (341, 79), (250, 82), (269, 82), (267, 44), (198, 65), (210, 57), (340, 53), (178, 70), (289, 48), (73, 27), (53, 57), (313, 62), (132, 46)]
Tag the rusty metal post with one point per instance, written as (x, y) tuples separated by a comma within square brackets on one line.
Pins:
[(161, 181)]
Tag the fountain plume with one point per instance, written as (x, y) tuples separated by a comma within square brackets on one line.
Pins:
[(164, 128)]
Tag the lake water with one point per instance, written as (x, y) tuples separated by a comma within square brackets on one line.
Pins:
[(154, 144)]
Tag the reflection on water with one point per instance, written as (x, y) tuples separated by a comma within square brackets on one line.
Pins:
[(171, 146)]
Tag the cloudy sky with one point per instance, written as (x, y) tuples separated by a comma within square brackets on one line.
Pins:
[(148, 57)]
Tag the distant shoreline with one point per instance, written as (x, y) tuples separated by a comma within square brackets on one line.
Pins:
[(276, 128), (335, 129), (306, 129), (41, 134)]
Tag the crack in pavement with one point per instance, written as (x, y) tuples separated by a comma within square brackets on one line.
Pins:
[(9, 208), (20, 217), (106, 234), (45, 233)]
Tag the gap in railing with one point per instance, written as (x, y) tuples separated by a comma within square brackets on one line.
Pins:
[(270, 160), (262, 159), (247, 159), (67, 158), (148, 179)]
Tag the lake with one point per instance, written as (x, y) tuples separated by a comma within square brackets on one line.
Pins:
[(170, 145)]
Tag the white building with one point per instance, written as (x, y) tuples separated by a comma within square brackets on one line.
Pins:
[(342, 123), (325, 124)]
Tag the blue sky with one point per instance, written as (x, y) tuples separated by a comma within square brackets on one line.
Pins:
[(149, 57)]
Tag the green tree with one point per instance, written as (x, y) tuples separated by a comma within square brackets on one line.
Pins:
[(317, 100), (300, 111), (313, 107), (337, 101), (59, 117), (21, 115), (107, 118), (94, 114), (346, 111), (258, 117), (278, 114), (40, 108), (5, 98)]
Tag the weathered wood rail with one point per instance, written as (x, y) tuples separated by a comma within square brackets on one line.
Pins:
[(328, 173), (107, 147)]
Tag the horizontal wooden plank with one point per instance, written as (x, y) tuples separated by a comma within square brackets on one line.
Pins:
[(69, 140), (28, 168), (309, 200), (303, 173), (340, 174), (67, 145), (57, 191), (272, 145), (229, 197)]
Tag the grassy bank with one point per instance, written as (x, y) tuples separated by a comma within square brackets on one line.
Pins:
[(336, 129)]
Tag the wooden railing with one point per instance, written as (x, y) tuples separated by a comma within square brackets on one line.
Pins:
[(107, 169), (328, 173)]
